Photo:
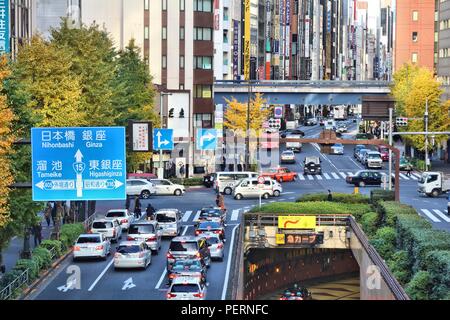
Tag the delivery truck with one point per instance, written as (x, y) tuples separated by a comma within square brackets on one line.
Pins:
[(434, 184)]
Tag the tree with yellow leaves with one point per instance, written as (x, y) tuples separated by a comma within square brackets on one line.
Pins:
[(412, 88), (236, 114)]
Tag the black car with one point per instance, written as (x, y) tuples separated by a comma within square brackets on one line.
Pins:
[(311, 165), (296, 293), (366, 178), (208, 180), (211, 214), (357, 148), (287, 132)]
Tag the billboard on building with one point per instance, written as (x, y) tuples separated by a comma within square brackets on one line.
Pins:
[(235, 49), (247, 40), (4, 27)]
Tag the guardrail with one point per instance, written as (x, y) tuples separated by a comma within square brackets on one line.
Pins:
[(271, 219), (288, 83)]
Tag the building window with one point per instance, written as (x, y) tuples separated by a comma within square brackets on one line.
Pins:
[(436, 37), (204, 34), (201, 62), (164, 33), (414, 57), (203, 120), (164, 62), (414, 36), (182, 2), (203, 91), (203, 5), (181, 62), (225, 14), (146, 4), (146, 32), (164, 5), (181, 33), (181, 86), (436, 16), (415, 15)]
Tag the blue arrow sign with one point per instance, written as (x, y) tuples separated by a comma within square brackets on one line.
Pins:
[(78, 163), (206, 139), (162, 139)]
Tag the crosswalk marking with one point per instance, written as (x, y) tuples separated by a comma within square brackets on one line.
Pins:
[(442, 215), (327, 176), (335, 175), (413, 177), (404, 176), (319, 177), (234, 215), (343, 175), (310, 177), (430, 215), (301, 177), (186, 216), (350, 173), (197, 215)]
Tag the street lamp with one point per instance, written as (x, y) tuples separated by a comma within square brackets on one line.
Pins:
[(161, 168)]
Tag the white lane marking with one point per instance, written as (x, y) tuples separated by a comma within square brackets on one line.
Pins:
[(310, 177), (319, 177), (186, 216), (284, 193), (291, 198), (282, 200), (101, 275), (442, 215), (343, 175), (184, 231), (272, 201), (335, 175), (356, 163), (161, 279), (416, 175), (403, 176), (235, 215), (301, 177), (227, 272), (349, 173), (327, 176), (197, 215), (430, 215)]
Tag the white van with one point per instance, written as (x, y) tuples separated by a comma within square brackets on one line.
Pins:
[(249, 188), (330, 124), (224, 182)]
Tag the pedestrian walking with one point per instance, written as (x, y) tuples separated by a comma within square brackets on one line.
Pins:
[(137, 207), (53, 213), (218, 200), (330, 196), (408, 170), (221, 201), (127, 203), (48, 213), (150, 211), (37, 232)]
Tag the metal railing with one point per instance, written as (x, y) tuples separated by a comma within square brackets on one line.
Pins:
[(296, 83), (271, 219)]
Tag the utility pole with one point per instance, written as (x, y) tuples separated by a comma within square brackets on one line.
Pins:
[(247, 138), (161, 168), (426, 135), (390, 151)]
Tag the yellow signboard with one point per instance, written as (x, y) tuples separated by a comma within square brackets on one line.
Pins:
[(297, 222), (247, 40), (279, 238)]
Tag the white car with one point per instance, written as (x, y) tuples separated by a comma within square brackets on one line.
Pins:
[(163, 186), (146, 231), (287, 156), (110, 228), (216, 246), (122, 215), (186, 288), (91, 245), (169, 221), (373, 160), (140, 187), (337, 148), (250, 188), (132, 254)]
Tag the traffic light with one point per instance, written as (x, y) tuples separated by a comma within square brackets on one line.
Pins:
[(171, 113), (401, 122), (182, 113)]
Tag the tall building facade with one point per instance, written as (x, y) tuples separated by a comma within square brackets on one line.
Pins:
[(443, 69), (415, 40), (17, 26)]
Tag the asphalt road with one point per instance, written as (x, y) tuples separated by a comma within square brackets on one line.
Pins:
[(99, 280)]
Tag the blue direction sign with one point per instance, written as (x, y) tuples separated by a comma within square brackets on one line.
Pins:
[(78, 163), (206, 139), (162, 139)]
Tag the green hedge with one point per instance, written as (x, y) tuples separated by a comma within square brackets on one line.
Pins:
[(187, 182), (420, 286), (389, 210), (70, 232), (337, 197), (53, 244), (400, 267), (43, 257), (384, 242), (31, 264), (320, 207), (405, 224), (380, 194), (369, 223), (438, 265)]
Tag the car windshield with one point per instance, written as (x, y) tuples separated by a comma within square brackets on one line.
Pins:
[(209, 225), (102, 225), (312, 159), (128, 249), (384, 150), (115, 214), (166, 217), (373, 156), (185, 287), (183, 246), (187, 265), (89, 239), (210, 213), (141, 229)]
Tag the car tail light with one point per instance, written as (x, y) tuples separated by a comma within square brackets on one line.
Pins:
[(169, 255), (99, 248), (197, 232), (218, 231), (124, 221), (220, 246), (130, 238), (90, 231), (114, 232), (171, 295), (117, 254), (198, 295), (76, 248), (152, 238), (141, 254)]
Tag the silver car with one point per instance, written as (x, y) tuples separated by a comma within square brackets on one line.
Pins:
[(91, 245), (146, 231), (132, 254), (186, 288), (169, 221), (111, 229), (125, 218), (167, 187), (216, 246)]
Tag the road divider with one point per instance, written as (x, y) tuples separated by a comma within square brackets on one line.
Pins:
[(230, 257)]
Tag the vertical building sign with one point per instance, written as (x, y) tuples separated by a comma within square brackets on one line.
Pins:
[(216, 15), (4, 27), (307, 21), (268, 49), (287, 47), (235, 49), (247, 40), (282, 39)]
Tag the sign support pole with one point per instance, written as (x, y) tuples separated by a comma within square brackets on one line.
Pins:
[(390, 151)]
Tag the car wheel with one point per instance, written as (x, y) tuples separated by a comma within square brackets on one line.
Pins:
[(177, 192), (435, 193), (362, 184), (276, 193), (294, 178), (238, 196), (145, 194), (227, 191), (266, 196)]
